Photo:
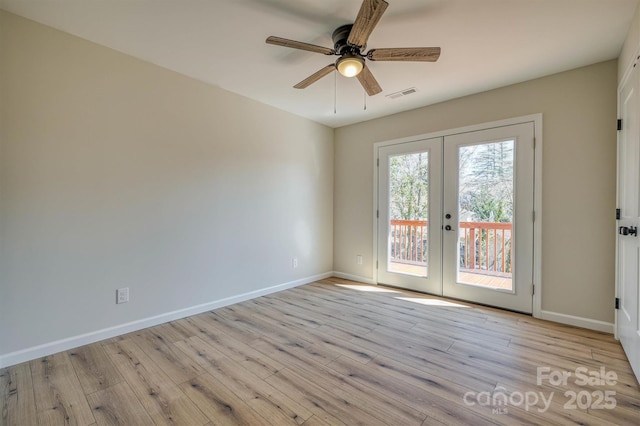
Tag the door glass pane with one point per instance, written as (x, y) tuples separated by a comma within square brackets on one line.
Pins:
[(408, 214), (485, 214)]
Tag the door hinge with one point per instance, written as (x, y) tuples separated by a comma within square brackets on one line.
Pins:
[(617, 303), (533, 289), (378, 163), (534, 142), (376, 264), (533, 216), (377, 214), (619, 124), (617, 214)]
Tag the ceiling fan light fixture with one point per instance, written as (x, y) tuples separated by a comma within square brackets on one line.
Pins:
[(350, 65)]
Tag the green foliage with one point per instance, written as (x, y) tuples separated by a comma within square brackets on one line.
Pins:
[(486, 182), (409, 182), (486, 208)]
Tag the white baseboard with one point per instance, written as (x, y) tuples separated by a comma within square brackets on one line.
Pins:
[(35, 352), (353, 277), (591, 324)]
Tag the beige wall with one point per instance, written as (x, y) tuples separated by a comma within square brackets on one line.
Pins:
[(578, 198), (118, 173)]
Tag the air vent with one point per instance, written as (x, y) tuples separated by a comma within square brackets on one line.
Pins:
[(402, 93)]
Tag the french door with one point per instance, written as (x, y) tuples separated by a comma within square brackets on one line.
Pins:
[(410, 183), (455, 216)]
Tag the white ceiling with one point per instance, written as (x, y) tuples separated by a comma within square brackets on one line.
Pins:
[(485, 44)]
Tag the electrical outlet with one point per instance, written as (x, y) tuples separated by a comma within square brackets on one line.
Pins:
[(359, 259), (122, 295), (294, 262)]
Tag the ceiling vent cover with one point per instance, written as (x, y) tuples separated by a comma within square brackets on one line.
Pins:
[(402, 93)]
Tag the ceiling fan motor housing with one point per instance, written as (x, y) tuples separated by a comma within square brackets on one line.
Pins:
[(340, 45)]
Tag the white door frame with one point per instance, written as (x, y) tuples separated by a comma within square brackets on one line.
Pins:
[(536, 119)]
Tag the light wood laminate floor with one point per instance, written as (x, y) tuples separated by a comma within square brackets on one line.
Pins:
[(332, 352)]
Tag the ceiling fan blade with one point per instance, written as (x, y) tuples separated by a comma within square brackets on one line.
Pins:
[(421, 54), (315, 77), (369, 82), (370, 13), (279, 41)]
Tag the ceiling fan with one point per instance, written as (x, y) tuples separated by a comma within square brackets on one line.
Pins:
[(350, 42)]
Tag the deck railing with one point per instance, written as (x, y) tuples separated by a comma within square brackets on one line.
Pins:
[(409, 241), (484, 246)]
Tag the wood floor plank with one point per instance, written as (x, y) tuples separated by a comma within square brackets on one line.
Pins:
[(327, 319), (404, 304), (410, 341), (248, 357), (118, 405), (172, 331), (335, 317), (218, 403), (528, 360), (315, 421), (540, 344), (278, 339), (438, 392), (277, 311), (415, 355), (450, 393), (159, 395), (17, 401), (94, 368), (234, 329), (58, 393), (456, 334), (619, 415), (568, 332), (165, 355), (320, 401), (266, 400), (328, 343), (372, 401), (618, 364), (361, 312), (244, 316)]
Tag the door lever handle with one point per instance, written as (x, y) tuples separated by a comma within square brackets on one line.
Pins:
[(631, 230)]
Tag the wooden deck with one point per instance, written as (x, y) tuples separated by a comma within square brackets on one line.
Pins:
[(329, 353), (468, 277)]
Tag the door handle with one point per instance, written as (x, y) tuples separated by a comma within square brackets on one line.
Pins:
[(631, 230), (448, 228)]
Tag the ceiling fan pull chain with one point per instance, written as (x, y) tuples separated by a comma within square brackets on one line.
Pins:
[(335, 92), (364, 93)]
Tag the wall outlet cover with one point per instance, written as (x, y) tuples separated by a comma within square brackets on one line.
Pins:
[(122, 295)]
